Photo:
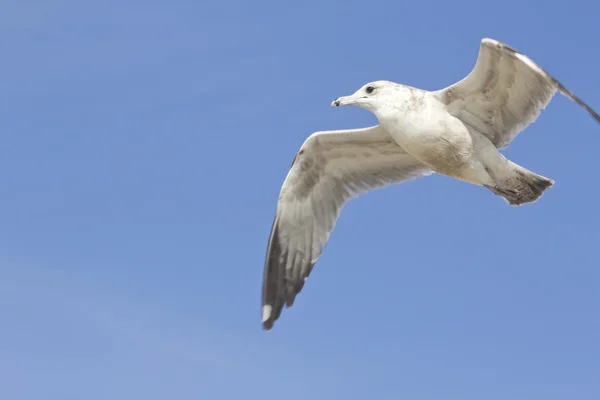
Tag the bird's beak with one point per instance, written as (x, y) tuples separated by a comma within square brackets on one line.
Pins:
[(343, 101)]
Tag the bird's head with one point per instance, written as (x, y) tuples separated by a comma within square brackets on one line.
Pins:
[(370, 97)]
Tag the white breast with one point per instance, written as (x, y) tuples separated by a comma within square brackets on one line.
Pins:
[(430, 134)]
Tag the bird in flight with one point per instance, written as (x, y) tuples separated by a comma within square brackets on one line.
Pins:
[(457, 131)]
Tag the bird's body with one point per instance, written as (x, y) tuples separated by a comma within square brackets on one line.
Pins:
[(419, 123), (457, 131)]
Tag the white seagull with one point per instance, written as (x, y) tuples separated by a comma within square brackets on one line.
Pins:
[(456, 131)]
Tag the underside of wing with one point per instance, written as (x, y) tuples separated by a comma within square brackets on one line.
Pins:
[(330, 169), (503, 94)]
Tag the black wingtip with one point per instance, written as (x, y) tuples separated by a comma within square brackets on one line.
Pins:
[(280, 286), (270, 314), (273, 281), (268, 325), (578, 100)]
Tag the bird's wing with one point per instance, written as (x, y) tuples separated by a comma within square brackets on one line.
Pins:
[(503, 94), (329, 169)]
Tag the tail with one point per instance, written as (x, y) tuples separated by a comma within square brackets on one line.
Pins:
[(520, 186)]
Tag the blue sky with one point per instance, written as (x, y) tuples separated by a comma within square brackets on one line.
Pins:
[(143, 146)]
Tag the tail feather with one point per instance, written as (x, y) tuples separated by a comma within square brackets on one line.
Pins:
[(521, 186)]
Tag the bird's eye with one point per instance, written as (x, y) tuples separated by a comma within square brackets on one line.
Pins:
[(370, 89)]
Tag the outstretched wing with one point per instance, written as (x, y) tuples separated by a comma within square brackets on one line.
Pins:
[(330, 168), (504, 93)]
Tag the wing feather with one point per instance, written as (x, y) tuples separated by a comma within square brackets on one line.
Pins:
[(329, 169), (504, 93)]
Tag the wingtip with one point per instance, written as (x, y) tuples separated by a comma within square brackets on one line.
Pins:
[(267, 326), (268, 319), (267, 310), (490, 41), (566, 92)]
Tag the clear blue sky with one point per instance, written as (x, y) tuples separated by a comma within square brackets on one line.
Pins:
[(143, 146)]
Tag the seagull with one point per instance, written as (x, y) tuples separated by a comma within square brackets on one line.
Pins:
[(457, 131)]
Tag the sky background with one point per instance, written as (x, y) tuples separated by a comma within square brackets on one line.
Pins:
[(142, 149)]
